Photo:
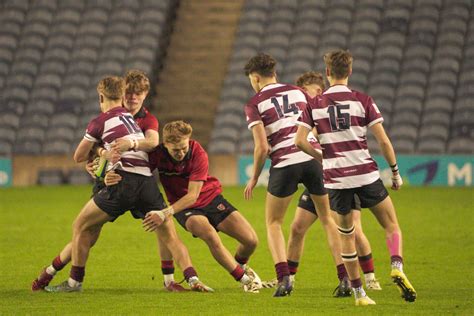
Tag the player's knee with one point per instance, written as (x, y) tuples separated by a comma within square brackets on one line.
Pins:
[(251, 242), (346, 231), (298, 229)]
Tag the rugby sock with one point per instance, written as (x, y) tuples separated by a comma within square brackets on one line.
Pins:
[(76, 276), (57, 264), (189, 273), (397, 262), (393, 244), (167, 268), (238, 273), (282, 270), (241, 260), (293, 266), (341, 271), (356, 283), (367, 263)]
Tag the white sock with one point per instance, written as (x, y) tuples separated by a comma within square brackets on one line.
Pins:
[(359, 292), (369, 277), (397, 265), (168, 278), (73, 283), (193, 280), (50, 270), (245, 279)]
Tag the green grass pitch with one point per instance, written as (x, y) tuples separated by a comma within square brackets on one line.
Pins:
[(123, 274)]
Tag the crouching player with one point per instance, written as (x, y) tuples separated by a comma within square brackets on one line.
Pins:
[(197, 203)]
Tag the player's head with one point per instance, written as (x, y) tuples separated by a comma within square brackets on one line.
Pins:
[(111, 90), (138, 86), (176, 137), (260, 68), (312, 82), (338, 64)]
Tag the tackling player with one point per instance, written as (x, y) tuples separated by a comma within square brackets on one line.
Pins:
[(341, 117), (271, 116), (197, 203)]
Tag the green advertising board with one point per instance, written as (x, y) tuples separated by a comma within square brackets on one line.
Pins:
[(416, 170), (5, 172)]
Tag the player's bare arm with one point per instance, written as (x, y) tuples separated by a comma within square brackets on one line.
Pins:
[(153, 219), (82, 151), (148, 144), (301, 141), (388, 153), (260, 154)]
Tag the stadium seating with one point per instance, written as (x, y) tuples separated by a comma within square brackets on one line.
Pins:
[(414, 57), (52, 54)]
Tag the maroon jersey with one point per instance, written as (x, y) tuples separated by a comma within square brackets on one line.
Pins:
[(114, 124), (175, 175), (278, 106), (146, 120), (341, 117)]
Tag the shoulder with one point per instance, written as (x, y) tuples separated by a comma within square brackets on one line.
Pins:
[(362, 97)]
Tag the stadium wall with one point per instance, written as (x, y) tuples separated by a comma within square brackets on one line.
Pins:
[(416, 170)]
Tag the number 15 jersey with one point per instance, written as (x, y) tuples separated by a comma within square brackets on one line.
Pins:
[(341, 117), (278, 106)]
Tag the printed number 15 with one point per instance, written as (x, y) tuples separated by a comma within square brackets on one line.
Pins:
[(339, 120)]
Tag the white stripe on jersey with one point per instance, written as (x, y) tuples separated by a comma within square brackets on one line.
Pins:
[(337, 88), (346, 159), (110, 124), (353, 181), (291, 141), (280, 124), (355, 133), (90, 138), (145, 171), (380, 119), (293, 158)]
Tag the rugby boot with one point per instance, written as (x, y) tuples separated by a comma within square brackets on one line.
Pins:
[(175, 287), (63, 287), (41, 281), (284, 287), (373, 284), (361, 298), (197, 286), (407, 290), (343, 289)]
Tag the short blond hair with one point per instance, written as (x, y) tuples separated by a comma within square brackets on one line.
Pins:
[(176, 131), (311, 77), (137, 81), (112, 87), (339, 63)]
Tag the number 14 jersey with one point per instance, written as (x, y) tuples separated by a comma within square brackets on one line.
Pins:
[(341, 117), (278, 106)]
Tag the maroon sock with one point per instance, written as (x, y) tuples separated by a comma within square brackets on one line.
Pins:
[(189, 273), (241, 260), (367, 263), (341, 271), (77, 273), (396, 259), (167, 267), (356, 283), (293, 266), (238, 273), (57, 264), (282, 270)]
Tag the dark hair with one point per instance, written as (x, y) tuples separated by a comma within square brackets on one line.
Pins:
[(339, 63), (263, 64), (137, 81), (311, 77)]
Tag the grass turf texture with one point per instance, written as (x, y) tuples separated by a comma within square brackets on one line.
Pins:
[(123, 274)]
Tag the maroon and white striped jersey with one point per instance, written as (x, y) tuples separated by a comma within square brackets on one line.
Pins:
[(278, 106), (341, 117), (114, 124)]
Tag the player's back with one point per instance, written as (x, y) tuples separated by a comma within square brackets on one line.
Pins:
[(278, 106), (114, 124), (342, 117)]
